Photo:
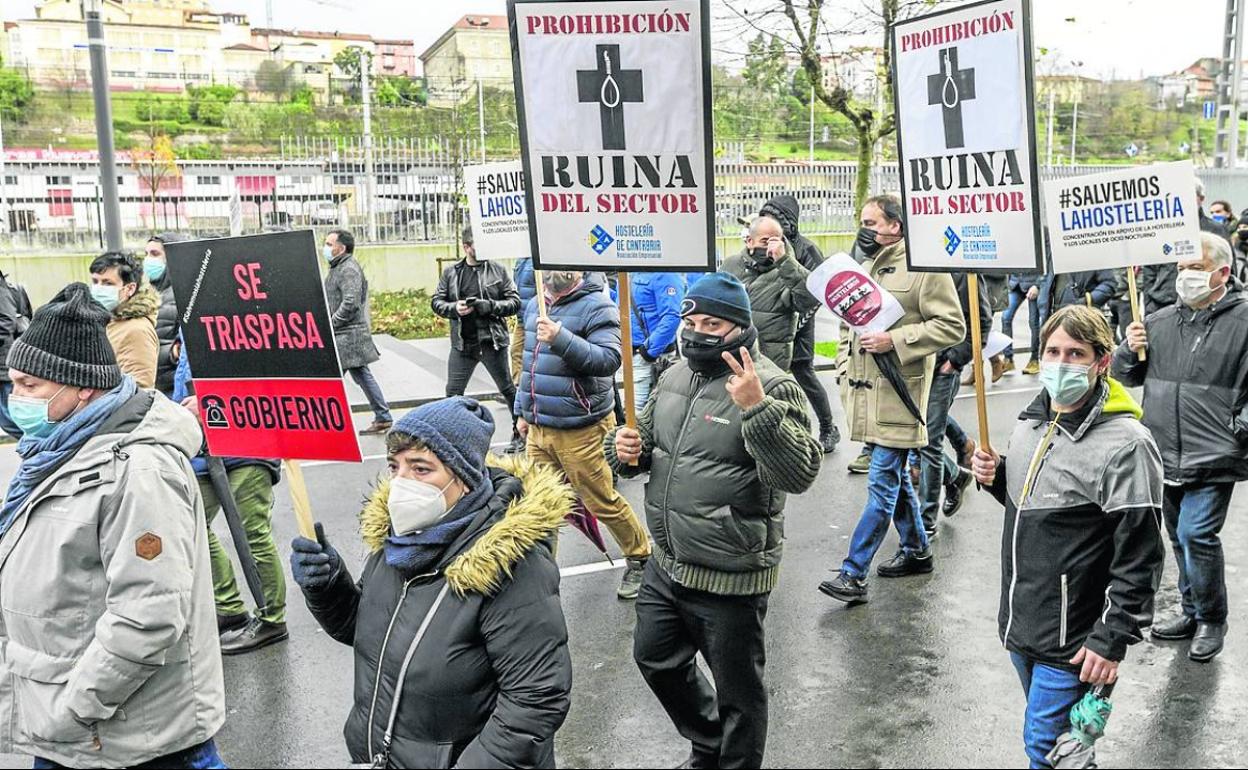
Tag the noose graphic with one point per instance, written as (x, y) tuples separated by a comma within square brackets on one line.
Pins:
[(949, 81), (614, 101)]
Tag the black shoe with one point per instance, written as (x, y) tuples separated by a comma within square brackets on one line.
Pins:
[(905, 564), (377, 427), (518, 446), (1207, 642), (258, 633), (847, 589), (829, 437), (231, 622), (1175, 629), (954, 493)]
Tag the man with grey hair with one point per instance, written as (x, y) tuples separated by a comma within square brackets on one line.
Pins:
[(1195, 403), (1157, 281)]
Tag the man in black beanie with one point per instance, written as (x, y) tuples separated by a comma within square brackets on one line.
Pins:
[(724, 436), (106, 610)]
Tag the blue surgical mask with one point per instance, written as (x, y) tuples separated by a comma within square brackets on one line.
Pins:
[(31, 414), (328, 253), (1066, 383), (154, 269), (107, 296)]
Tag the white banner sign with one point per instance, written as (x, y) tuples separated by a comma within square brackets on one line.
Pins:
[(967, 140), (613, 100), (497, 209), (852, 296), (1143, 215)]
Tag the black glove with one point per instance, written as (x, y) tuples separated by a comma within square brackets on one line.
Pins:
[(483, 307), (314, 563), (645, 355)]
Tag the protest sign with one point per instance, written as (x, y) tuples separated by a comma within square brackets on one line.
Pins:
[(964, 100), (852, 296), (258, 335), (1142, 215), (498, 209), (613, 101)]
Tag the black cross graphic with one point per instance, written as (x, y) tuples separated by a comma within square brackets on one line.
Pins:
[(611, 87), (949, 88)]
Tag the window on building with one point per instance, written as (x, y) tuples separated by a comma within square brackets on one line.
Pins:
[(208, 180), (61, 203), (344, 178), (58, 180), (10, 179), (388, 179)]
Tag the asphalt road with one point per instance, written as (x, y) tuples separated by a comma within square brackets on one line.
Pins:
[(915, 678)]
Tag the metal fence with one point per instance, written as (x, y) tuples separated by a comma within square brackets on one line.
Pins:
[(51, 201)]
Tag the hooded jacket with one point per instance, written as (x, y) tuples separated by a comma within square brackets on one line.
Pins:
[(778, 299), (490, 682), (132, 333), (785, 210), (1195, 389), (1081, 550), (496, 286), (108, 650), (570, 383)]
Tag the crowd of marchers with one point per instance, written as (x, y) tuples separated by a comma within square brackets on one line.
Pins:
[(117, 601)]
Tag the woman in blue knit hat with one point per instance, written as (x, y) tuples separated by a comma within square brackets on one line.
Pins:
[(461, 650)]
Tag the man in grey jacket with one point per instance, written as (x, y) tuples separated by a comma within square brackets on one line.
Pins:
[(346, 290), (108, 649)]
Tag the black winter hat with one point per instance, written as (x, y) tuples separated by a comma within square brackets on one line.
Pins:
[(66, 343), (785, 210), (721, 295)]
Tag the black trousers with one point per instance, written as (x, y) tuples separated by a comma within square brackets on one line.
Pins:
[(804, 373), (462, 363), (727, 724)]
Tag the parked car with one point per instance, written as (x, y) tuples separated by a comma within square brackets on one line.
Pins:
[(323, 213)]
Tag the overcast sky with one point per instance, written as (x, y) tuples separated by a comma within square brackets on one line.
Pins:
[(1123, 38)]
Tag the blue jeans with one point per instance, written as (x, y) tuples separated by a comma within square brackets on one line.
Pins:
[(1017, 298), (935, 463), (6, 422), (372, 391), (890, 496), (201, 757), (1194, 516), (1051, 693)]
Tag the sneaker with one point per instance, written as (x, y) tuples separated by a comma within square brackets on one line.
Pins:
[(630, 585), (1032, 367), (998, 368), (861, 463), (231, 622), (906, 564), (954, 493), (1008, 366), (377, 428), (846, 589), (258, 633), (828, 438)]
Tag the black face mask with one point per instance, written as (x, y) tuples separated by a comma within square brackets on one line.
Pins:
[(704, 352), (1243, 241), (759, 254), (867, 243)]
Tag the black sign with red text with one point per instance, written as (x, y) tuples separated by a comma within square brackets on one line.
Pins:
[(257, 332)]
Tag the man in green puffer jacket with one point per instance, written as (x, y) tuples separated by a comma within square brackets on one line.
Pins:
[(724, 437)]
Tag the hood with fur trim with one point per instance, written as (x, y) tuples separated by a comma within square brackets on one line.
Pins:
[(532, 517), (144, 304)]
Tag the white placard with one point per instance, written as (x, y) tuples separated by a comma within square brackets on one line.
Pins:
[(852, 296), (1142, 215), (498, 209), (614, 110), (996, 343), (967, 139)]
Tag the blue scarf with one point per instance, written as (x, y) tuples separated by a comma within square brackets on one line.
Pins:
[(42, 456), (418, 552)]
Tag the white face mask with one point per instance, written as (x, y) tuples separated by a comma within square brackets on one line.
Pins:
[(1193, 286), (415, 506)]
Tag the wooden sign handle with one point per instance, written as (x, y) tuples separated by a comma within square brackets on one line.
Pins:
[(1142, 355), (977, 358), (299, 498), (541, 293), (626, 343)]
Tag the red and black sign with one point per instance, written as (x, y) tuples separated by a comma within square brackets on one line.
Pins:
[(257, 330)]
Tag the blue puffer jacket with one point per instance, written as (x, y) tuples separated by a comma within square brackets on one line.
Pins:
[(656, 306), (526, 281), (569, 383)]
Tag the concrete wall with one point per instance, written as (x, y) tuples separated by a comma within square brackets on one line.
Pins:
[(388, 267)]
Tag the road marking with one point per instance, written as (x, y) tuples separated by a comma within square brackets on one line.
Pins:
[(587, 569), (999, 392)]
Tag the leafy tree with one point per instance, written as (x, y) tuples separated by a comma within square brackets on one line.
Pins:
[(274, 79), (16, 94)]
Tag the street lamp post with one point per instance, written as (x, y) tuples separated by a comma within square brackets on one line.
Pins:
[(103, 123)]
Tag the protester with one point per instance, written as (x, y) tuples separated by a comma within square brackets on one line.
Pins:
[(1196, 405), (461, 649), (938, 471), (566, 399), (1092, 288), (118, 285), (346, 290), (1239, 245), (784, 209), (107, 645), (14, 318), (877, 413), (1222, 213), (478, 296), (776, 282), (1024, 287), (655, 317), (155, 264), (251, 484), (1081, 548), (715, 504), (1158, 281)]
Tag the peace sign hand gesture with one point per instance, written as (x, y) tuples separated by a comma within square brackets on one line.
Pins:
[(743, 386)]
